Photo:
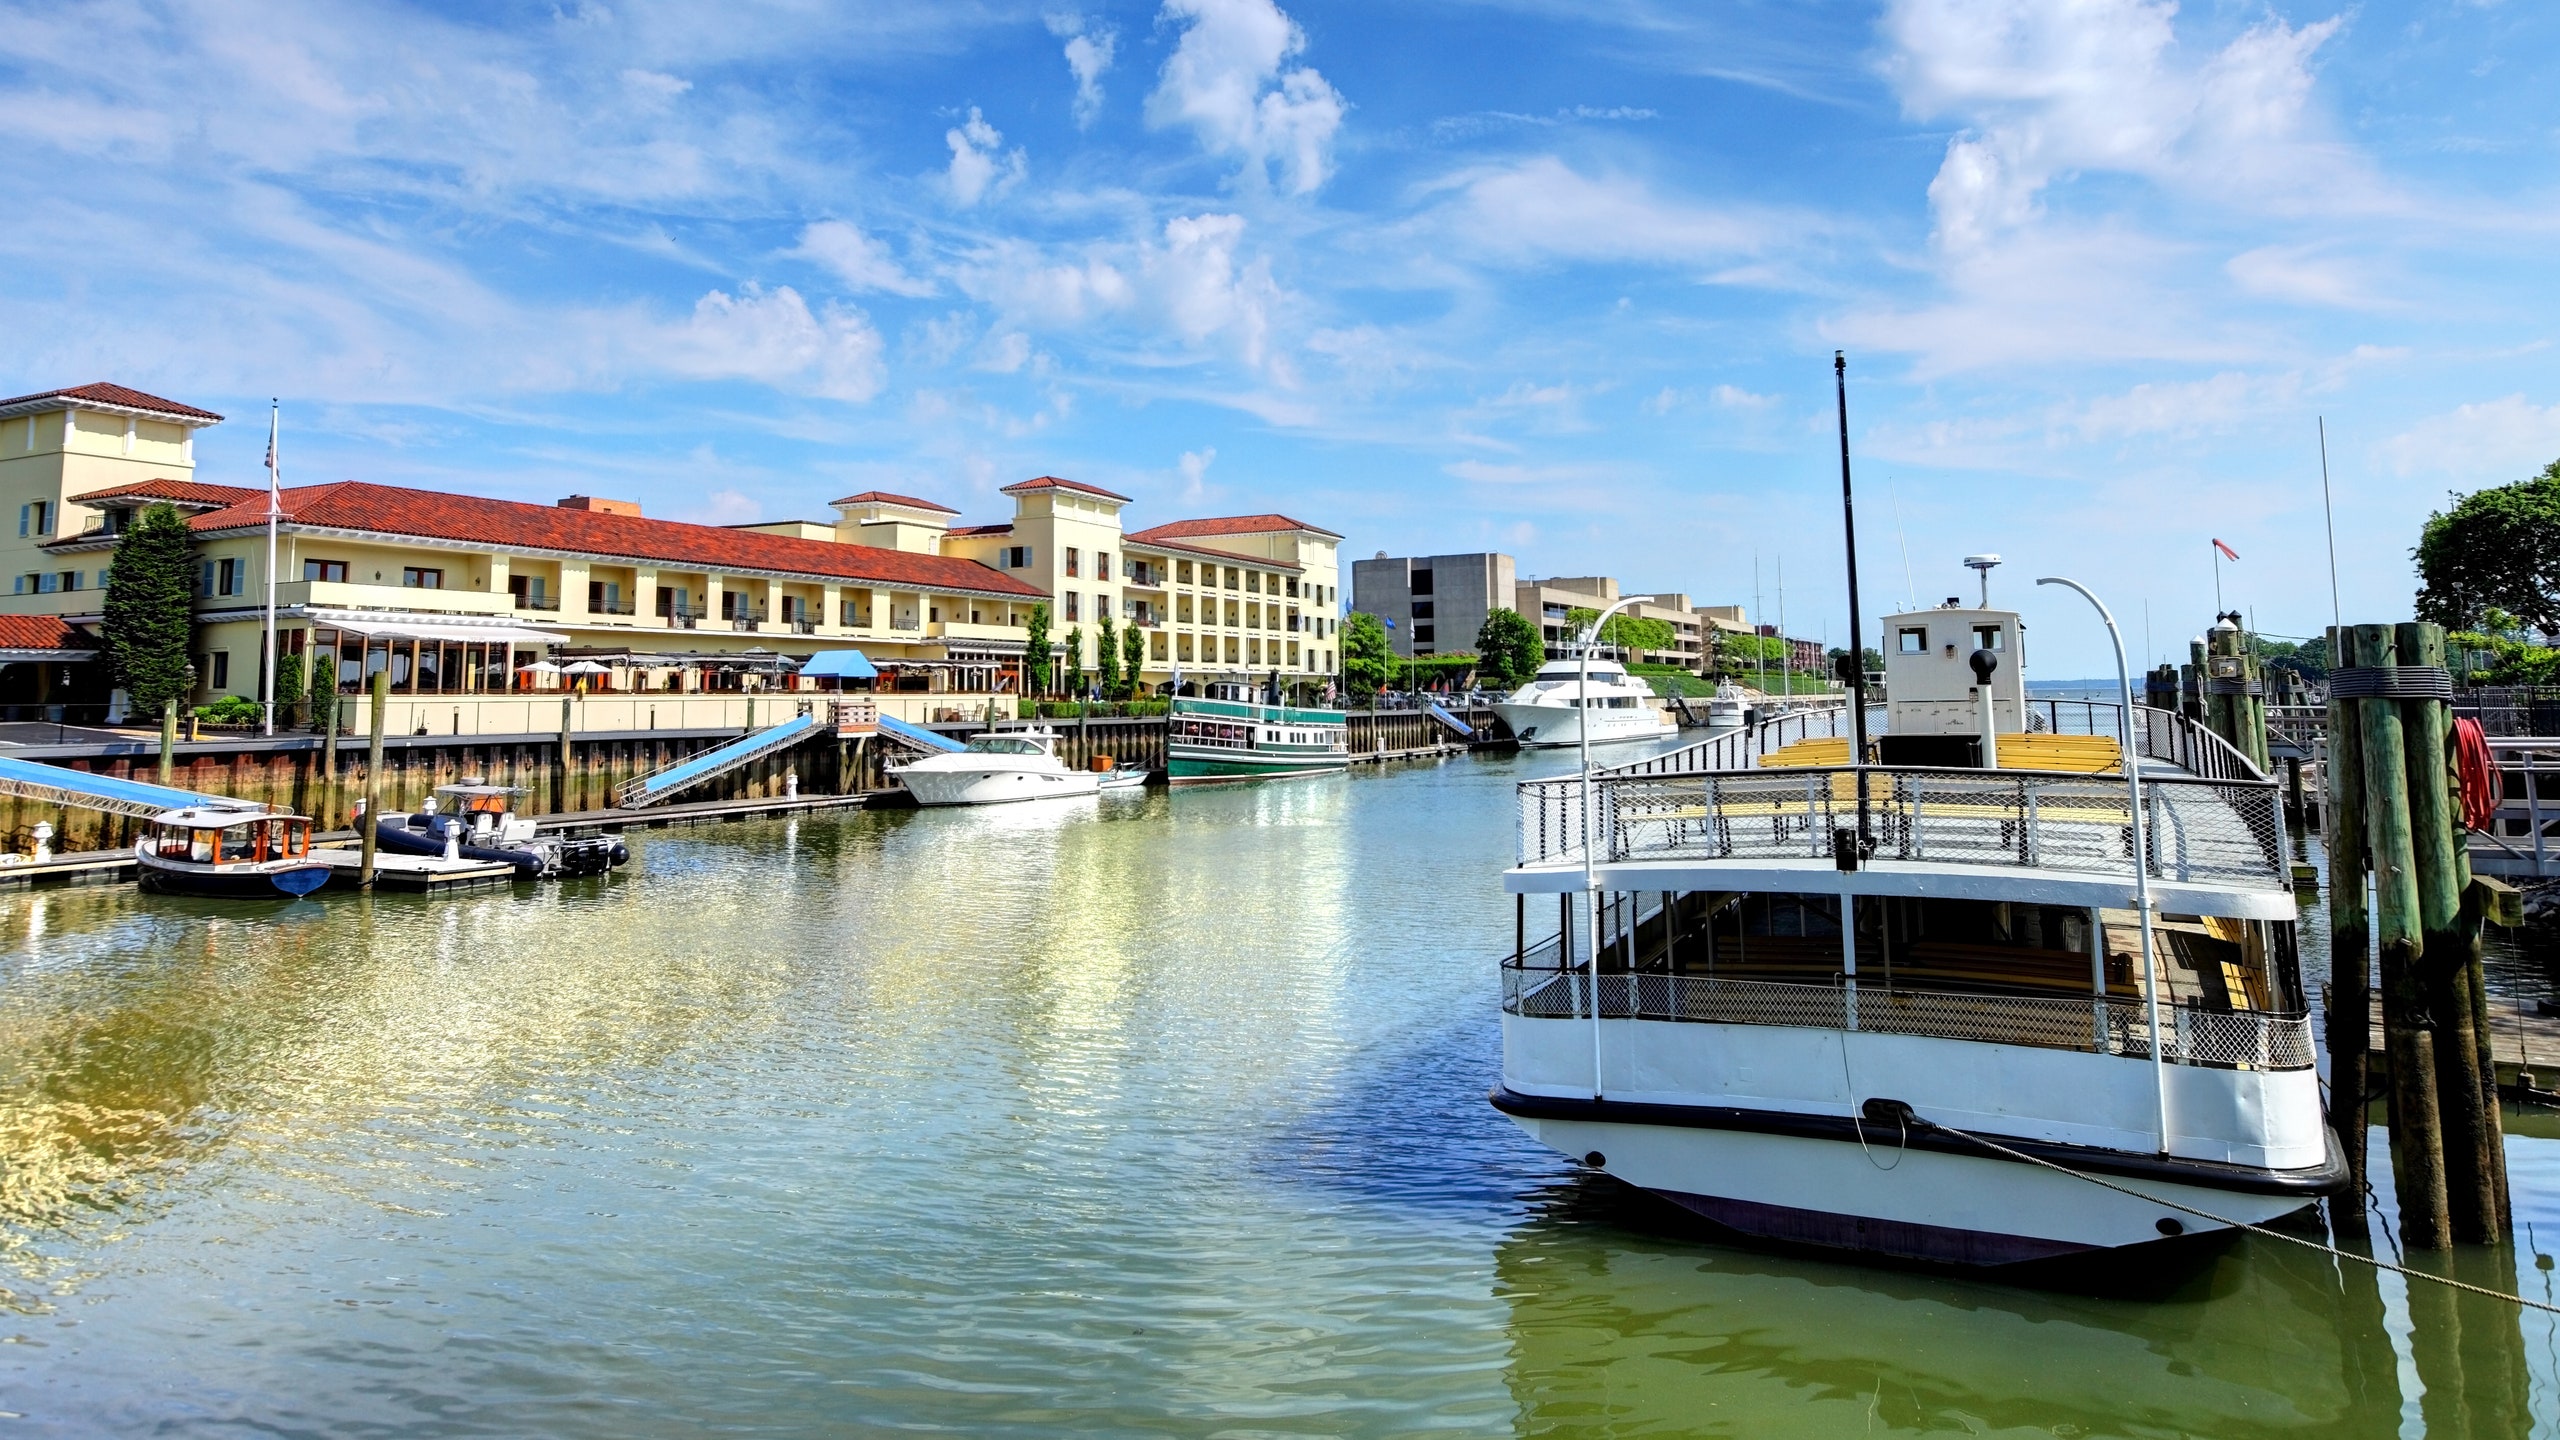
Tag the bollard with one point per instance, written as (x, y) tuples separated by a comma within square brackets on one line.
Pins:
[(44, 841), (168, 743), (2350, 1002)]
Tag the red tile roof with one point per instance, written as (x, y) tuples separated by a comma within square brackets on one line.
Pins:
[(1230, 525), (183, 492), (1229, 556), (41, 632), (883, 497), (102, 393), (967, 530), (471, 519), (1052, 482)]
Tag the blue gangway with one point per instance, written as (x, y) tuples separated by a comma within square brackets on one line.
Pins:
[(61, 785), (694, 769), (917, 735), (1449, 718)]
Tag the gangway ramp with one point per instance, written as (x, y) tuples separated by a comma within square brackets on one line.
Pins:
[(61, 785), (1447, 717), (917, 736), (684, 774)]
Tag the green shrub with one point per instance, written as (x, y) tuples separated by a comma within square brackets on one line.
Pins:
[(231, 710)]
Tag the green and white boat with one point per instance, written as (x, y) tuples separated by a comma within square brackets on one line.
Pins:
[(1237, 739)]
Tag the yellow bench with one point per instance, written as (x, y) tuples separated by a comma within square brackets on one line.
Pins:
[(2057, 754)]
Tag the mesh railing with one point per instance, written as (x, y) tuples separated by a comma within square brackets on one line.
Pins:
[(2199, 831), (2226, 1040)]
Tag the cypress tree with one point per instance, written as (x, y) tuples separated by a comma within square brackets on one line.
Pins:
[(1106, 658), (1133, 655), (1035, 651), (150, 610)]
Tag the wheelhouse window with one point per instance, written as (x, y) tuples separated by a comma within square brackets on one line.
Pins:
[(1914, 640), (1990, 637)]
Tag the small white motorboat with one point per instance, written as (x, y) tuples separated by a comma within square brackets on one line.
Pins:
[(1728, 709), (1125, 777), (997, 768), (1552, 709)]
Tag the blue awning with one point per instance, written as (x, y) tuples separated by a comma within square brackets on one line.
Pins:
[(839, 665)]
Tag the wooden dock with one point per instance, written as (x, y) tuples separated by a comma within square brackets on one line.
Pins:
[(86, 867), (431, 874), (2527, 1042)]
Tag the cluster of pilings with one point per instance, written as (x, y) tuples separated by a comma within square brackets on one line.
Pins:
[(2394, 828)]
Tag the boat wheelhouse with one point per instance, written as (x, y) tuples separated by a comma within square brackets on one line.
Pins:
[(228, 853), (1239, 739), (1808, 1036)]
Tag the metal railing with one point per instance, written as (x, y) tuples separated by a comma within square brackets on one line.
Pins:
[(2199, 831), (537, 602), (2247, 1039)]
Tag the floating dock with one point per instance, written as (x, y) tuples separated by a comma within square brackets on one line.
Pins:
[(429, 873)]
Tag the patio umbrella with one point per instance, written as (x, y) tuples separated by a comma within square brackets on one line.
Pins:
[(587, 667), (538, 667)]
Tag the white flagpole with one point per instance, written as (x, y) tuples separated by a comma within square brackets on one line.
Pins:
[(275, 505)]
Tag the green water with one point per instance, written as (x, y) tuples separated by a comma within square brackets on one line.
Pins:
[(1146, 1115)]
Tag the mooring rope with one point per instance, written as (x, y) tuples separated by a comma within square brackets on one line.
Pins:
[(1999, 1149)]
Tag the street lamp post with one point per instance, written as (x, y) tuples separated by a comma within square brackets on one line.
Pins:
[(2141, 856), (1590, 876)]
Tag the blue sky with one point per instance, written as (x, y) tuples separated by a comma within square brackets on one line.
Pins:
[(1559, 279)]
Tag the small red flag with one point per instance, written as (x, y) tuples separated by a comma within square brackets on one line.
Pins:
[(2227, 551)]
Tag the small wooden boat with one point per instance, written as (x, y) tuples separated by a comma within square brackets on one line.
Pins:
[(230, 854)]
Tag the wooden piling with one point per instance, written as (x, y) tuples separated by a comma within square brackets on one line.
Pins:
[(366, 828), (168, 742), (2444, 952), (2350, 941), (2417, 1143)]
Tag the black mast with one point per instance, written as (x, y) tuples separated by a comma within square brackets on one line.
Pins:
[(1854, 668)]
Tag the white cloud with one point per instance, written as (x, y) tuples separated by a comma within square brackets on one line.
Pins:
[(1090, 49), (771, 337), (2099, 85), (859, 260), (1485, 473), (2187, 407), (978, 162), (2494, 442), (1195, 471), (1541, 208), (1227, 82), (1734, 397), (2304, 275), (1004, 354), (1188, 283), (1202, 290)]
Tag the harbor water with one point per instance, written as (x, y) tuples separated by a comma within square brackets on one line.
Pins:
[(1151, 1114)]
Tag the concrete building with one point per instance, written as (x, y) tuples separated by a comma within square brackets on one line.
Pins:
[(1549, 604), (455, 595), (1438, 602)]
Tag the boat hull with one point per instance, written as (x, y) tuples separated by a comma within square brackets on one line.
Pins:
[(271, 881), (393, 834), (1808, 1180), (1550, 726), (996, 787), (1187, 766)]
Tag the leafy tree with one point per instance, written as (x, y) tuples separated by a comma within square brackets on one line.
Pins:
[(1106, 658), (2309, 658), (2500, 653), (1510, 648), (1133, 657), (1364, 652), (1627, 632), (1075, 660), (1870, 659), (1035, 650), (2498, 548), (149, 612)]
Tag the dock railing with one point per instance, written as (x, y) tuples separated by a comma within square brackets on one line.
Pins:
[(1535, 988)]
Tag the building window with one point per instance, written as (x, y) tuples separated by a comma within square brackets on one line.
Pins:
[(219, 669), (219, 577), (1101, 564), (1421, 609), (1232, 581), (70, 579), (1017, 557), (1915, 640), (418, 577), (1293, 587), (1069, 597), (333, 571), (1421, 582), (35, 518), (1182, 574), (1422, 634), (47, 583), (1073, 557), (1253, 581)]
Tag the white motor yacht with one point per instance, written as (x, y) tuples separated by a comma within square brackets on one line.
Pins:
[(1904, 1007), (1727, 709), (1552, 708), (996, 768)]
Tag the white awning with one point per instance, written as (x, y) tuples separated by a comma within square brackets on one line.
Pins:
[(462, 629)]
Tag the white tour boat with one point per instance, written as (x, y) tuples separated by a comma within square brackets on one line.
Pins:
[(1552, 708), (996, 768), (1918, 1046)]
